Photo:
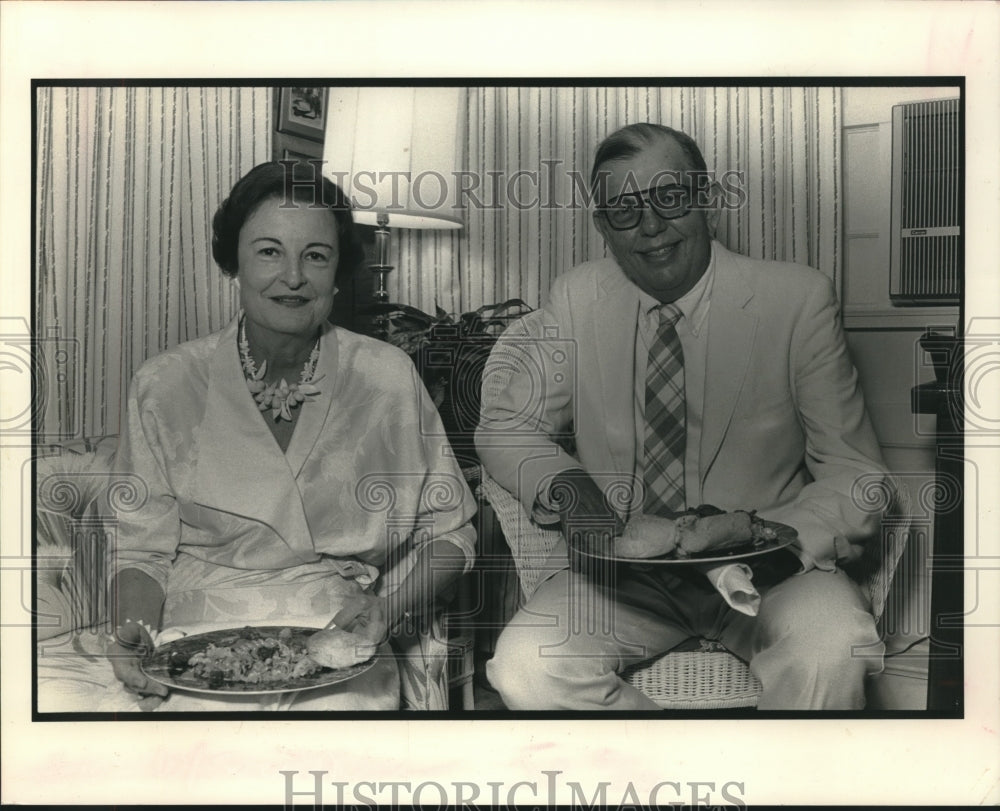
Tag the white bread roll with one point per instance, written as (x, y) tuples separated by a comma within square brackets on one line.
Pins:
[(337, 648), (647, 536)]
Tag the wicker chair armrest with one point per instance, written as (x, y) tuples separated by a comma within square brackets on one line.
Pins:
[(530, 544)]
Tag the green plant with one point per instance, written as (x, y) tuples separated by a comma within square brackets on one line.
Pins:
[(450, 351), (410, 328)]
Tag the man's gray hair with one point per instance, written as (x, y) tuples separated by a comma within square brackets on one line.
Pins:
[(629, 141)]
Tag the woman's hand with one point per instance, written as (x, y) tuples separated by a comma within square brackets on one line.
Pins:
[(366, 615), (133, 642)]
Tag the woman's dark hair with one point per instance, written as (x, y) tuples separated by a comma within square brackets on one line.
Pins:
[(630, 140), (299, 182)]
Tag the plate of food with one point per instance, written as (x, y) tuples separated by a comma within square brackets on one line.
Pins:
[(260, 661), (701, 535)]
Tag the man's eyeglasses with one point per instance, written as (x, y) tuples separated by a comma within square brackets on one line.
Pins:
[(670, 201)]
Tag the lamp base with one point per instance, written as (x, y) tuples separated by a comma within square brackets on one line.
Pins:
[(381, 268), (381, 292)]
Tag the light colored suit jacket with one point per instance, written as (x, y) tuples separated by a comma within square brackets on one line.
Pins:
[(784, 427)]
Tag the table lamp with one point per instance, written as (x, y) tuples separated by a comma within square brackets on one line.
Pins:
[(396, 152)]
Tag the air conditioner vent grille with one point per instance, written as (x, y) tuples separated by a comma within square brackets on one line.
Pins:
[(927, 253), (930, 266)]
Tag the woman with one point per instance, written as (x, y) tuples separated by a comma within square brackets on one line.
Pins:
[(288, 462)]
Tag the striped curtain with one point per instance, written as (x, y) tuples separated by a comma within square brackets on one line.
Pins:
[(128, 181), (529, 147)]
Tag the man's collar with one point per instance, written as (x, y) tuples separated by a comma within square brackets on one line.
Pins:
[(694, 303)]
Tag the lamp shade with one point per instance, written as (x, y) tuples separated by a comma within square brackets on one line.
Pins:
[(397, 151)]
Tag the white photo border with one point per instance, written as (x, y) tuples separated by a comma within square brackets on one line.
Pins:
[(846, 761)]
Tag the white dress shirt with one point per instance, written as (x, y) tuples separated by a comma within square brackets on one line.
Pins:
[(692, 329)]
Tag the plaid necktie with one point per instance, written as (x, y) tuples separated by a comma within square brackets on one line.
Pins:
[(665, 423)]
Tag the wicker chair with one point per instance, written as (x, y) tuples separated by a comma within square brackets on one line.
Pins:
[(707, 678)]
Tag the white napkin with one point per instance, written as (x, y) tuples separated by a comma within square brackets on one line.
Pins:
[(168, 635), (732, 581)]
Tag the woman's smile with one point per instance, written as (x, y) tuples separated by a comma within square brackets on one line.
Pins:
[(291, 301)]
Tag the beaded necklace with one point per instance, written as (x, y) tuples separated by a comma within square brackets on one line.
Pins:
[(279, 397)]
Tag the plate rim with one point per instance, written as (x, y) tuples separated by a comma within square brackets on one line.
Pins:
[(356, 670), (787, 536)]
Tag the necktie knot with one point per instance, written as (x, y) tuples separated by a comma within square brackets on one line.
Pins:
[(670, 314)]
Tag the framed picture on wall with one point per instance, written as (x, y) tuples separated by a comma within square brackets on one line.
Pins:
[(294, 146), (302, 111), (291, 154)]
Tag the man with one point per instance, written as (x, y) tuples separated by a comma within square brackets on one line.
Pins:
[(704, 377)]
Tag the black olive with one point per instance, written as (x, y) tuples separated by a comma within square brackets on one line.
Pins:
[(177, 663)]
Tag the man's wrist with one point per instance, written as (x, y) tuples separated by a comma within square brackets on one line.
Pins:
[(544, 498), (567, 487)]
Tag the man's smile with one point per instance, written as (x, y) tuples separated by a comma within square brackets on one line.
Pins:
[(661, 252)]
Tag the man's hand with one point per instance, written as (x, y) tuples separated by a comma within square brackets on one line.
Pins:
[(133, 642), (588, 520)]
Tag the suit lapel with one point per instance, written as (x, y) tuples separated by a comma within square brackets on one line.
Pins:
[(241, 470), (615, 318), (731, 331)]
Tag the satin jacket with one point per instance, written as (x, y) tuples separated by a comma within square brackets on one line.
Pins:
[(367, 467)]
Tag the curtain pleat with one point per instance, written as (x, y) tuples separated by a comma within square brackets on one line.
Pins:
[(128, 181), (531, 148)]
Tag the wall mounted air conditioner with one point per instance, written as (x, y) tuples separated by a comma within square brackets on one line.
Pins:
[(927, 251)]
